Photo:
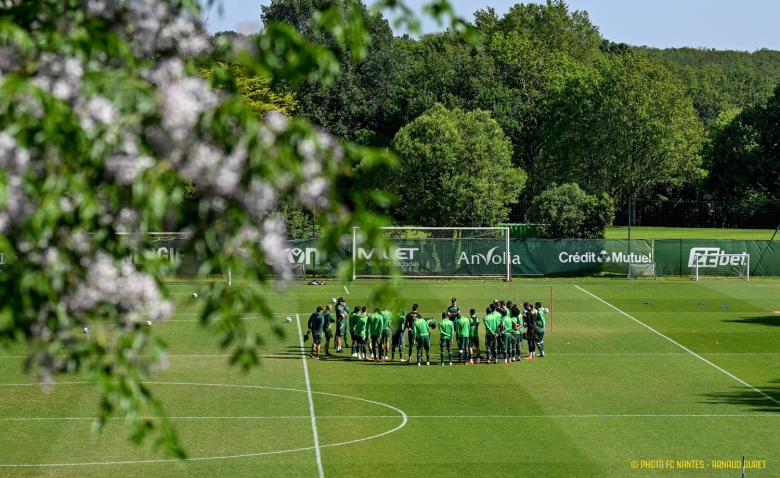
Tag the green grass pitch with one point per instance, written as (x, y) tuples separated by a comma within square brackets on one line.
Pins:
[(675, 383), (642, 232)]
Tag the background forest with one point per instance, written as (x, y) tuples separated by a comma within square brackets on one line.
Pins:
[(536, 100)]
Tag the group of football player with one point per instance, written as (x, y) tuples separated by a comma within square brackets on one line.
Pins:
[(507, 327)]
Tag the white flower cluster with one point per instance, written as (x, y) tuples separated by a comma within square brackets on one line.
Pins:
[(274, 246), (157, 27), (135, 295), (14, 161), (182, 104), (127, 163), (59, 75), (95, 111)]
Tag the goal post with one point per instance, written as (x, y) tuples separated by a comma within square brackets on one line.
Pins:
[(435, 252), (642, 270), (720, 266)]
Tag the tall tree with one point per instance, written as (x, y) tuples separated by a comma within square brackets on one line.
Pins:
[(626, 128), (360, 104), (455, 170), (535, 48), (743, 155)]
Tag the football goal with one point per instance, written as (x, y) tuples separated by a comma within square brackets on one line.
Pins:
[(435, 252), (642, 270), (720, 266)]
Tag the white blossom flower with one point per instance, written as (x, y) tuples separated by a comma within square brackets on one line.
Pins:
[(134, 294), (259, 198), (274, 246), (276, 121), (94, 111), (312, 193), (127, 163), (59, 75), (182, 104), (169, 70)]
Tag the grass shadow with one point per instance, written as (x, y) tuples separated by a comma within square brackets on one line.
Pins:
[(751, 399), (768, 320)]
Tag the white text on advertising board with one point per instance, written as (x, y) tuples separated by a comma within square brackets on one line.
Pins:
[(714, 257), (484, 259), (603, 256), (402, 256)]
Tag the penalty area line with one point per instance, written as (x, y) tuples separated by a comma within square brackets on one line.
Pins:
[(775, 401), (311, 399)]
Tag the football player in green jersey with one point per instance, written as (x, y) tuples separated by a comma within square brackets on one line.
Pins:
[(387, 318), (517, 331), (375, 326), (541, 322), (352, 322), (506, 329), (446, 329), (409, 325), (398, 336), (463, 332), (452, 312), (474, 334), (327, 327), (316, 320), (422, 334), (361, 331), (342, 316), (491, 333)]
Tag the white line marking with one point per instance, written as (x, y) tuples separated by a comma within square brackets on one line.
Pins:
[(336, 417), (404, 417), (682, 347), (346, 290), (311, 399)]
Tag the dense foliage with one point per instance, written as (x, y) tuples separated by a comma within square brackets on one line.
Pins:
[(455, 169), (118, 118), (566, 211)]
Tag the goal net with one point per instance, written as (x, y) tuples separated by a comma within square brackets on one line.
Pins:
[(435, 252), (720, 266), (642, 270)]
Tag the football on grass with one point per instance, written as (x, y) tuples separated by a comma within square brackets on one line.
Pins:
[(288, 319), (148, 322), (333, 300), (194, 295)]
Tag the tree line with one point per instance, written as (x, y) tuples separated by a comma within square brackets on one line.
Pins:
[(534, 101)]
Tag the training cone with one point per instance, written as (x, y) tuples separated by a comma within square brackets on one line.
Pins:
[(568, 343)]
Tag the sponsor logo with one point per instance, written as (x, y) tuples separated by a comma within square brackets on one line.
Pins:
[(170, 254), (399, 254), (308, 256), (489, 258), (603, 256), (714, 257), (400, 257)]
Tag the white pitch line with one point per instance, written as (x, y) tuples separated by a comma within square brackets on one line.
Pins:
[(346, 290), (403, 416), (335, 417), (311, 400), (683, 347)]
